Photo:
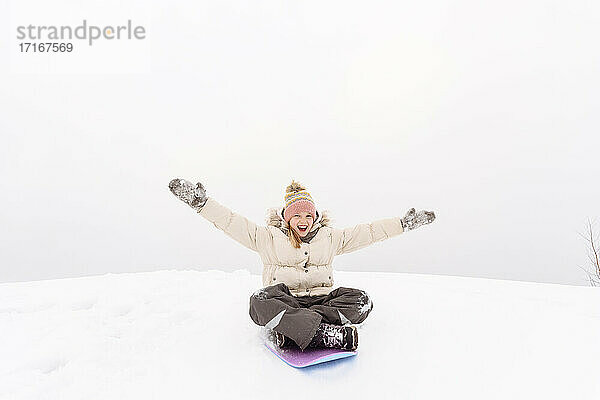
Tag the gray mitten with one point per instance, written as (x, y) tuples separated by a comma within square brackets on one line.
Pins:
[(414, 219), (186, 191)]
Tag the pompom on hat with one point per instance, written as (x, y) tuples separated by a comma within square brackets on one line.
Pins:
[(298, 199)]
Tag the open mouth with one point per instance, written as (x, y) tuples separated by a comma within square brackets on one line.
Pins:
[(302, 228)]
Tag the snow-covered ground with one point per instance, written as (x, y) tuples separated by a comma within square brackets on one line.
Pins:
[(188, 335)]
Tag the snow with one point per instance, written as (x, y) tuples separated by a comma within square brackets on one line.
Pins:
[(188, 335)]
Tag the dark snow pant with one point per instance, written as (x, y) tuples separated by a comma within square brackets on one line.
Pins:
[(298, 318)]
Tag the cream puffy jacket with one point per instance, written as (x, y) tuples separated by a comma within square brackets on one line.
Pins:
[(307, 270)]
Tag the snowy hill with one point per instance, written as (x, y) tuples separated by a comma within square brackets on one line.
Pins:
[(188, 335)]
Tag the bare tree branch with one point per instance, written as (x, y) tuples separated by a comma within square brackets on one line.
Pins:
[(593, 254)]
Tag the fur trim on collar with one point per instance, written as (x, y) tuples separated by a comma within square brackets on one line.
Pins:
[(275, 218)]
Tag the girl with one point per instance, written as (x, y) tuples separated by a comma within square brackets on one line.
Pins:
[(298, 303)]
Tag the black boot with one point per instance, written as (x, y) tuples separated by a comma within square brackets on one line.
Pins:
[(279, 339), (335, 336)]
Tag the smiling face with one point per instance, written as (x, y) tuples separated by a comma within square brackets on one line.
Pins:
[(301, 223)]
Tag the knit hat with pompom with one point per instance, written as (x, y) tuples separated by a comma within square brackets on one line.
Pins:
[(298, 199)]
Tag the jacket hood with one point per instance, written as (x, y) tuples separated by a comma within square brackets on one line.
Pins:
[(275, 218)]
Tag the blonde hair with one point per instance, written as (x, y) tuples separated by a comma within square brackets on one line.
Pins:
[(294, 237)]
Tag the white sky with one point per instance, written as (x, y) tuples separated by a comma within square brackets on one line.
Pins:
[(486, 114)]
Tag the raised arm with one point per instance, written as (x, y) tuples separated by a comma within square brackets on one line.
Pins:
[(234, 225), (362, 235)]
